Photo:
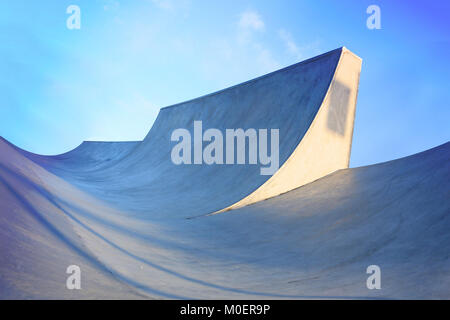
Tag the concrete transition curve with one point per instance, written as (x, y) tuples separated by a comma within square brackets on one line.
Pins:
[(140, 226)]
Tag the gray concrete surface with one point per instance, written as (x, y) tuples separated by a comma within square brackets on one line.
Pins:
[(141, 227)]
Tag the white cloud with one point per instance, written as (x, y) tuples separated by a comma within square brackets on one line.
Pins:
[(249, 23), (164, 4), (290, 44), (298, 52), (266, 59), (240, 56), (251, 20), (111, 5)]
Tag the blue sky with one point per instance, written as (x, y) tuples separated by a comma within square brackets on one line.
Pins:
[(108, 80)]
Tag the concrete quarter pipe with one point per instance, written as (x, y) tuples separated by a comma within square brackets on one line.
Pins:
[(140, 226)]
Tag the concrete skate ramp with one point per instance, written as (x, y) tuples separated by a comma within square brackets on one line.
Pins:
[(119, 209), (312, 103), (312, 242), (88, 156)]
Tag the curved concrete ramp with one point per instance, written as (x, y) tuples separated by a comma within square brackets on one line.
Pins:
[(326, 145), (311, 103), (118, 209), (312, 242), (89, 155)]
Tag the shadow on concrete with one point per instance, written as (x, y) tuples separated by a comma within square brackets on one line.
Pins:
[(339, 100)]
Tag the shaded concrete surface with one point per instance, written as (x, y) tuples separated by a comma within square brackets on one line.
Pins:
[(37, 243), (326, 145), (312, 242), (291, 100), (138, 225)]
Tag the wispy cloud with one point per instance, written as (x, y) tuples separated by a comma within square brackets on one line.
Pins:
[(294, 50), (266, 59), (242, 55), (164, 4), (290, 44), (251, 20), (111, 5)]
